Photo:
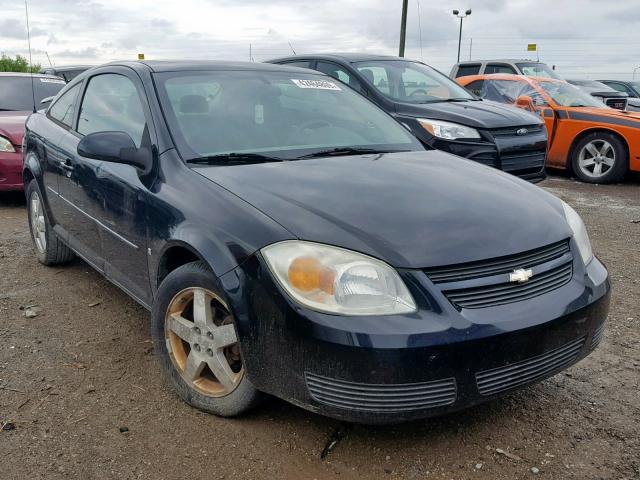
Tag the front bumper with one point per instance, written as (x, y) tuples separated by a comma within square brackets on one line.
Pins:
[(11, 171), (392, 369)]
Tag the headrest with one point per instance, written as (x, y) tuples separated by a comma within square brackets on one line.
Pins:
[(368, 74), (193, 104)]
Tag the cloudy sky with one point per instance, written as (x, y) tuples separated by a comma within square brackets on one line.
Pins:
[(583, 38)]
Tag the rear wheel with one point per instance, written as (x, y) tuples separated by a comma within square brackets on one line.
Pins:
[(49, 248), (195, 337), (600, 158)]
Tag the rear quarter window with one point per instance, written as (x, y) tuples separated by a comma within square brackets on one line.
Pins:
[(468, 69)]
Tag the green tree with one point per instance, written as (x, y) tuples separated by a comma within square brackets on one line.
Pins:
[(18, 64)]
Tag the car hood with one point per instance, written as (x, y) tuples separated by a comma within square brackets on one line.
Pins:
[(12, 125), (478, 114), (412, 210)]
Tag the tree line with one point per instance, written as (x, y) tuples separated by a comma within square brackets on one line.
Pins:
[(17, 64)]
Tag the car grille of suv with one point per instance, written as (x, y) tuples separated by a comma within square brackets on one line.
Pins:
[(617, 103), (523, 162), (513, 131), (381, 397), (526, 371), (556, 269)]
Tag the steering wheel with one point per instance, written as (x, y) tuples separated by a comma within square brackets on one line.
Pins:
[(420, 91)]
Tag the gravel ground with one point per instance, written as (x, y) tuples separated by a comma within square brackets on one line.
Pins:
[(81, 395)]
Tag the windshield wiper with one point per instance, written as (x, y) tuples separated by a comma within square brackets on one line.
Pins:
[(235, 159), (338, 151)]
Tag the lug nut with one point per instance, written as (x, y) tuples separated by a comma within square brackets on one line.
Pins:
[(196, 347), (197, 330), (209, 352), (210, 335)]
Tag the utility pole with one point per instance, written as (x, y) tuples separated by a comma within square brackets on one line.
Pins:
[(403, 27), (461, 16)]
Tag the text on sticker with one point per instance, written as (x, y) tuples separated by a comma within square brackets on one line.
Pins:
[(317, 84)]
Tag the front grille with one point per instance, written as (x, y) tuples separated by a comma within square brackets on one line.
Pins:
[(381, 397), (523, 161), (513, 131), (500, 265), (485, 158), (509, 292), (617, 103), (530, 370), (597, 336)]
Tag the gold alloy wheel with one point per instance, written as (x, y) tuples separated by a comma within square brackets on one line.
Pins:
[(202, 342)]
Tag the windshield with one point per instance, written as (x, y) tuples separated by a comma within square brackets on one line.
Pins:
[(411, 82), (15, 92), (535, 69), (287, 115), (566, 95)]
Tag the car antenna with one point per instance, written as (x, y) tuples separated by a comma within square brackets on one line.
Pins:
[(33, 89)]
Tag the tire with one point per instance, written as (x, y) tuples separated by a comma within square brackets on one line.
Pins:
[(600, 157), (50, 250), (191, 345)]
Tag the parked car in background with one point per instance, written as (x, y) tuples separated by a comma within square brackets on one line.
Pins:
[(291, 238), (529, 68), (630, 88), (599, 144), (16, 103), (607, 95), (440, 113), (68, 72)]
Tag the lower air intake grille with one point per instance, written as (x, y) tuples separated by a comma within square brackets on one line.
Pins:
[(503, 293), (517, 374), (597, 336), (381, 397)]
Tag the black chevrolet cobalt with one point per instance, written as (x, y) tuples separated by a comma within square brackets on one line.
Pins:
[(290, 238)]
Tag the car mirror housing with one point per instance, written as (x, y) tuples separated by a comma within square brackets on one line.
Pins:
[(526, 102), (116, 147)]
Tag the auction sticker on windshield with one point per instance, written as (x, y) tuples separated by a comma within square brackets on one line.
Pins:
[(52, 80), (317, 84)]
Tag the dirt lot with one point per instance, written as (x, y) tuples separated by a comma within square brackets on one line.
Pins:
[(82, 370)]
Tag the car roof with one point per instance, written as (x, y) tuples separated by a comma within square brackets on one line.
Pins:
[(504, 60), (67, 67), (344, 57), (508, 76), (157, 66)]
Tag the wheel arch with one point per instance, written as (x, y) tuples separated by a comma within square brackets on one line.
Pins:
[(31, 168), (589, 131), (175, 254)]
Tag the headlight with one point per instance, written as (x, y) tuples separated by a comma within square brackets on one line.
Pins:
[(6, 146), (335, 280), (579, 233), (447, 130)]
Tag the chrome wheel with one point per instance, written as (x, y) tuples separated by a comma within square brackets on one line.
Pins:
[(38, 224), (202, 342), (596, 158)]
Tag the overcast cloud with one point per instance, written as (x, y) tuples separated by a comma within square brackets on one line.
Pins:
[(583, 38)]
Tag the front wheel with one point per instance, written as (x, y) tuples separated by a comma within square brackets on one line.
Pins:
[(195, 338), (600, 158)]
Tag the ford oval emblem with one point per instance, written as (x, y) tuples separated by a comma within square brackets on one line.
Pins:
[(522, 131)]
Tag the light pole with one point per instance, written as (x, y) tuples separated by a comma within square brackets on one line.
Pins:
[(461, 16), (403, 27)]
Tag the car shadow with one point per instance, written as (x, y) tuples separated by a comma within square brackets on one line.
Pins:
[(12, 199)]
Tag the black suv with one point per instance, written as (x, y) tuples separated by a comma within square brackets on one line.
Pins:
[(439, 112)]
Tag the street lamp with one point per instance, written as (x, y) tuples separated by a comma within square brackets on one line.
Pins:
[(461, 16)]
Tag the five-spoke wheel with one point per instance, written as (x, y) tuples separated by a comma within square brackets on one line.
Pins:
[(600, 158)]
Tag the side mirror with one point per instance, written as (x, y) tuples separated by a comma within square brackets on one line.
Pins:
[(526, 102), (116, 147)]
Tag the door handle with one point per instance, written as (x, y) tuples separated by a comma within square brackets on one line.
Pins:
[(66, 164)]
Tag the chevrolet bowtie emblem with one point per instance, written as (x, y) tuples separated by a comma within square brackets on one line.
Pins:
[(521, 275)]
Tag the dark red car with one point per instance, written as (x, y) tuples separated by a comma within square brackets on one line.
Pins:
[(16, 104)]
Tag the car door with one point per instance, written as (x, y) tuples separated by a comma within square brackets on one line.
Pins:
[(113, 194)]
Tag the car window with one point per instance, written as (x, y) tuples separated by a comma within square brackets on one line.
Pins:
[(16, 92), (619, 87), (286, 114), (535, 69), (508, 91), (298, 63), (468, 69), (476, 87), (336, 71), (567, 95), (499, 68), (411, 82), (111, 104), (63, 108)]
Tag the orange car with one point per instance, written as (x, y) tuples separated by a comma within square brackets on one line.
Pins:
[(598, 143)]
